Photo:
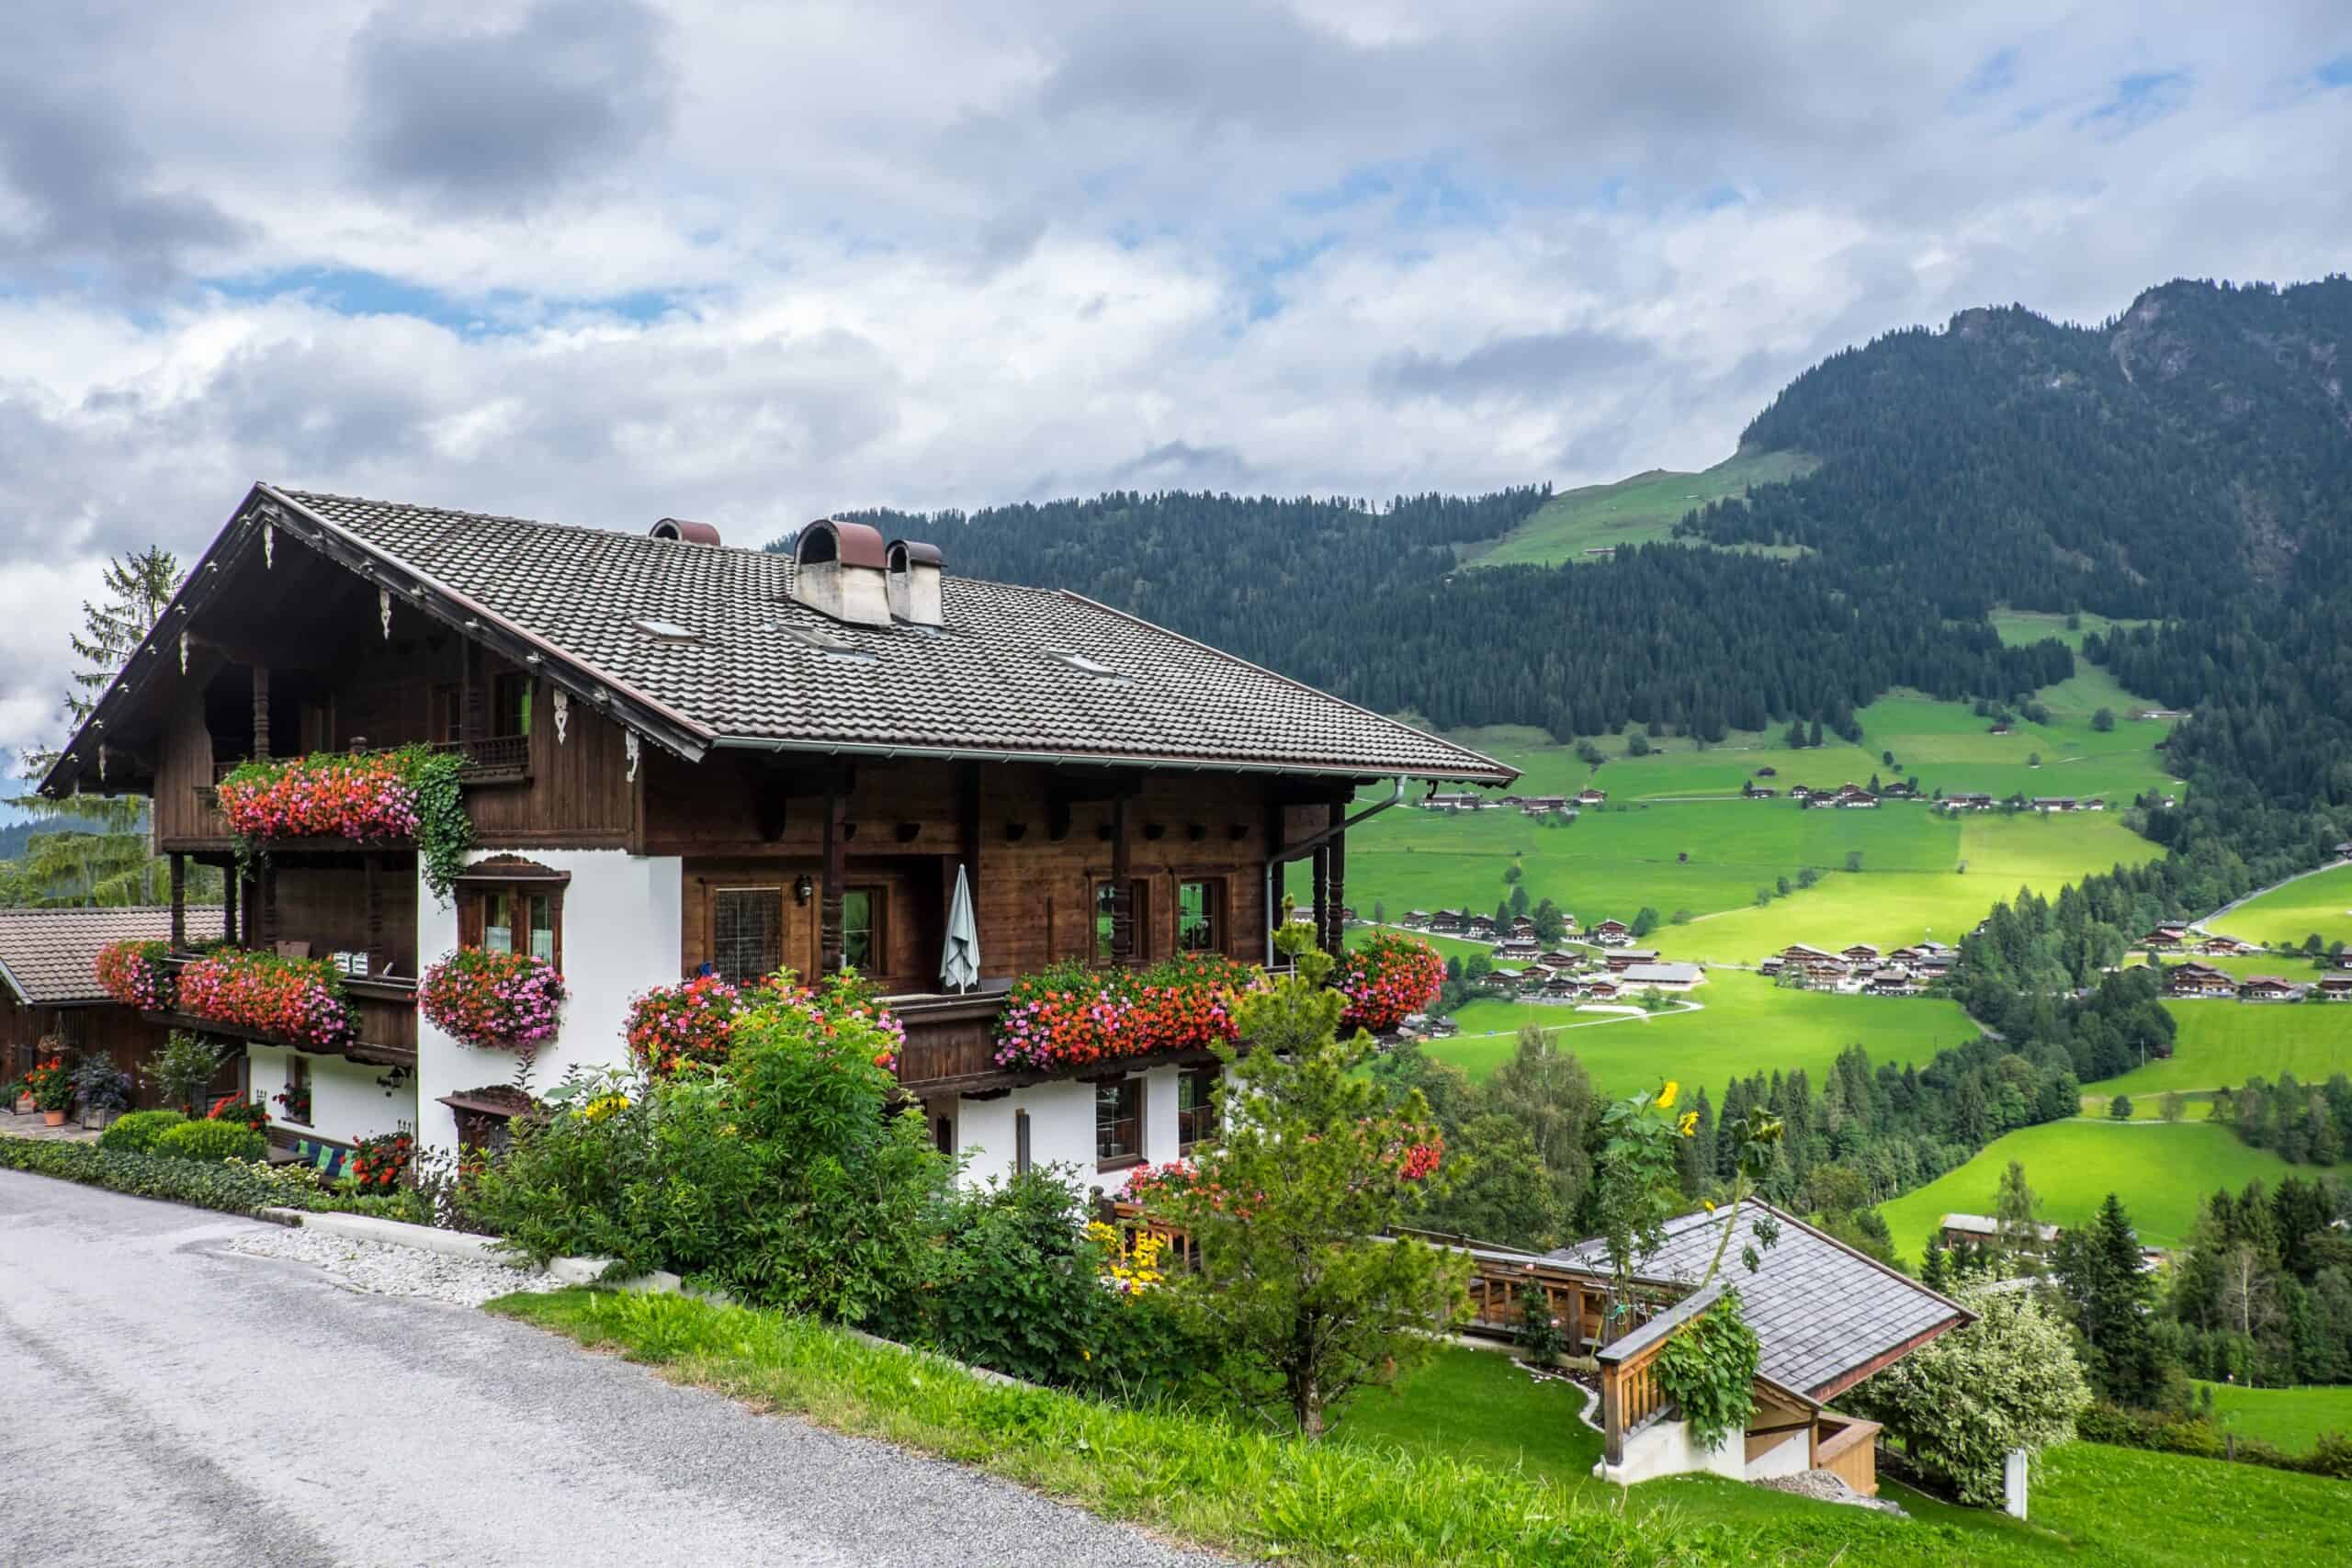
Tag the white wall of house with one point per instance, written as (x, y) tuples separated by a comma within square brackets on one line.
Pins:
[(622, 928), (1790, 1456), (1663, 1447), (1061, 1130), (346, 1103)]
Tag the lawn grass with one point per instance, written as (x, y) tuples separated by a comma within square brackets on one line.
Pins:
[(1634, 510), (2223, 1043), (2287, 1418), (1745, 1025), (2319, 904), (1415, 1481), (2170, 1511), (2163, 1173)]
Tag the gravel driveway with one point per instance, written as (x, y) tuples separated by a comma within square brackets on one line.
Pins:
[(165, 1399)]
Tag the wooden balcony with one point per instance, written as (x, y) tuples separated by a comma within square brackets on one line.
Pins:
[(384, 1010)]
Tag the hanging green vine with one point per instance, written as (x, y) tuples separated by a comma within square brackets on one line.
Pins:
[(1708, 1367), (444, 832)]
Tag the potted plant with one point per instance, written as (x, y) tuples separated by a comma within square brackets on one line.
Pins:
[(52, 1089), (103, 1089)]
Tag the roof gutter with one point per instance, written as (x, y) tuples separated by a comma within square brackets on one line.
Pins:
[(1088, 760)]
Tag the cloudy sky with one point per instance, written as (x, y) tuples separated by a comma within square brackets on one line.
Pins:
[(600, 260)]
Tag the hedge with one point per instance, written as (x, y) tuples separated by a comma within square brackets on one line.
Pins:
[(135, 1133), (208, 1184), (2201, 1439), (211, 1141)]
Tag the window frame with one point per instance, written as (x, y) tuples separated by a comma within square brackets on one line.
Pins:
[(877, 925), (1139, 905), (1126, 1088), (1202, 1120), (775, 890), (474, 911), (298, 1075), (501, 684), (1212, 917)]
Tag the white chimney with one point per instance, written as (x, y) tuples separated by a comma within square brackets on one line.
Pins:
[(837, 570), (914, 583)]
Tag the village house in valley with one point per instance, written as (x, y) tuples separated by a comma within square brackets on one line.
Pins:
[(683, 758)]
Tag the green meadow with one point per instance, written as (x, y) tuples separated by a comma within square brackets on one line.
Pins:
[(1635, 510), (1743, 1024), (2223, 1043), (2320, 904), (2163, 1172), (2288, 1418)]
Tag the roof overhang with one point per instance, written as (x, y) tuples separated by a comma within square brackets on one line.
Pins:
[(265, 507), (1167, 762)]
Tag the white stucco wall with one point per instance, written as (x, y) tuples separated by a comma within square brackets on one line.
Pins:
[(1061, 1132), (622, 928), (1663, 1447), (346, 1103), (1790, 1456)]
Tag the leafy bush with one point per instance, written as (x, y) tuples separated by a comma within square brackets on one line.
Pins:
[(225, 1185), (135, 1133), (1018, 1284), (100, 1085), (1709, 1369), (2196, 1436), (211, 1141), (1960, 1404), (774, 1175), (181, 1069)]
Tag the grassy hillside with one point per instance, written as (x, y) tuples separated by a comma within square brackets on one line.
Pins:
[(2163, 1172), (2321, 903), (2290, 1418), (2227, 1042), (1743, 1025), (1631, 512)]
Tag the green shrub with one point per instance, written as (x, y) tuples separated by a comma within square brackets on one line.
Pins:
[(2201, 1439), (211, 1140), (232, 1188), (775, 1175), (135, 1133)]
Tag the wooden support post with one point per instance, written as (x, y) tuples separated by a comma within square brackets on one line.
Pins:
[(1124, 948), (179, 900), (266, 881), (1323, 916), (377, 955), (471, 728), (229, 881), (828, 910), (1336, 935), (261, 713), (967, 810), (1612, 1414)]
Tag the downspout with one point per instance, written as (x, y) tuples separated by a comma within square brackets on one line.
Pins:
[(1305, 847)]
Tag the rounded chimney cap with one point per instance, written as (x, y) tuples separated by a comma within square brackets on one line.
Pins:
[(829, 539), (684, 532), (909, 553)]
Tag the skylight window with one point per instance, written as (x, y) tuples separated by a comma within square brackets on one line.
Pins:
[(831, 646), (1086, 666), (664, 631)]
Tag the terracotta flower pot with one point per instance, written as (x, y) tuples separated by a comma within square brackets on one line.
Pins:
[(52, 1118)]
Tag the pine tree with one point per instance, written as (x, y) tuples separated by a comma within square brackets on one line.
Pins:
[(139, 584)]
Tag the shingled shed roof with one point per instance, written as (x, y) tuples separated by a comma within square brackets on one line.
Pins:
[(712, 637), (49, 958), (1827, 1316)]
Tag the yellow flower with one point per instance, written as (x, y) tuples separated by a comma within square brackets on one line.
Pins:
[(1689, 1123), (1710, 1202), (1666, 1096)]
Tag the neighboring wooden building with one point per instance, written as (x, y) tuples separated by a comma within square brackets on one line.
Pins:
[(1612, 933), (2268, 989), (2198, 980), (684, 757), (48, 987)]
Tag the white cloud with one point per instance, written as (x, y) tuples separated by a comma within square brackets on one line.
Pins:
[(836, 254)]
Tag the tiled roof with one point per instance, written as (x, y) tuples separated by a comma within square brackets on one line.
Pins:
[(47, 958), (1822, 1311), (987, 684)]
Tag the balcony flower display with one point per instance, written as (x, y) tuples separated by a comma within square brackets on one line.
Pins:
[(1387, 977), (296, 999), (134, 974), (492, 998), (1071, 1015), (409, 795), (670, 1026)]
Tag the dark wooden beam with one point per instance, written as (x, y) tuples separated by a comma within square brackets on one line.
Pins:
[(230, 879), (829, 911), (1336, 857), (261, 713), (179, 900), (1123, 898)]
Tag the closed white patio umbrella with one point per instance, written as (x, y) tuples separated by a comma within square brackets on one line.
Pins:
[(959, 962)]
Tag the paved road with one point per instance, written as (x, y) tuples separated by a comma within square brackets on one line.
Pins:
[(2238, 903), (164, 1401)]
